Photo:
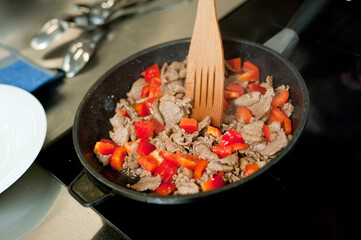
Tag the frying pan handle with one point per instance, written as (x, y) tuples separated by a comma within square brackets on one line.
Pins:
[(286, 40), (86, 192)]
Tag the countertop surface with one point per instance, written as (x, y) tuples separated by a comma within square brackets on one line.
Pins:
[(52, 212)]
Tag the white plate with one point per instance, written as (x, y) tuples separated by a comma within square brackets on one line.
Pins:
[(22, 132)]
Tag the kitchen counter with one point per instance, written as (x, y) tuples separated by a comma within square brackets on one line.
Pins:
[(312, 194), (52, 212)]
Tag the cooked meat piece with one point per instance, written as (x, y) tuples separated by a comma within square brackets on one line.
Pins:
[(281, 88), (173, 88), (184, 188), (260, 147), (183, 175), (178, 66), (130, 161), (279, 141), (204, 123), (248, 99), (117, 121), (120, 135), (173, 110), (252, 133), (164, 143), (231, 160), (172, 72), (104, 159), (287, 108), (136, 90), (204, 151), (268, 83), (124, 104), (263, 106), (226, 164), (181, 137), (250, 153), (156, 113), (162, 71), (122, 129), (147, 183), (216, 166)]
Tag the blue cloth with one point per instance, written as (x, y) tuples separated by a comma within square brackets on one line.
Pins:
[(20, 72)]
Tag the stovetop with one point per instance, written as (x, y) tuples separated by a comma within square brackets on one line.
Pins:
[(312, 193)]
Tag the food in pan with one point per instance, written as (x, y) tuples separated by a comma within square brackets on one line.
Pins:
[(155, 138)]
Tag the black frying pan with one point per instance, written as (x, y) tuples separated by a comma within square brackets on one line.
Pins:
[(92, 118)]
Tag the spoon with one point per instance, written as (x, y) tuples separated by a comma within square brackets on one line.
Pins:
[(81, 50), (91, 16), (52, 30), (205, 65)]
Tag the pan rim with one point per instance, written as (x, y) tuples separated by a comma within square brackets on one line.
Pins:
[(179, 199)]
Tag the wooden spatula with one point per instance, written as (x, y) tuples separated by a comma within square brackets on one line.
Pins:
[(205, 65)]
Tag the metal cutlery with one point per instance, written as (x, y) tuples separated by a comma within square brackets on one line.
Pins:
[(93, 20)]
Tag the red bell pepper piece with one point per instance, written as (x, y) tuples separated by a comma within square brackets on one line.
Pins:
[(249, 66), (213, 183), (256, 87), (250, 169), (148, 104), (141, 109), (230, 137), (105, 146), (157, 156), (249, 76), (235, 87), (225, 151), (151, 72), (250, 72), (231, 94), (158, 127), (166, 170), (215, 132), (143, 129), (200, 168), (149, 163), (190, 125), (145, 91), (267, 133), (165, 189), (287, 125), (238, 146), (117, 158), (154, 88), (222, 151), (168, 156), (124, 113), (244, 114), (280, 99), (225, 105), (188, 161), (145, 147), (235, 63), (276, 115)]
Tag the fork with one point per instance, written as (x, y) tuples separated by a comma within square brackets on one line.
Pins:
[(205, 65)]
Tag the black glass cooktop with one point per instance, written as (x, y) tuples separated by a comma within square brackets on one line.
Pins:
[(312, 193)]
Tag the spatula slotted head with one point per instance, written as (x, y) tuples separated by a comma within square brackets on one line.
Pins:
[(205, 65)]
